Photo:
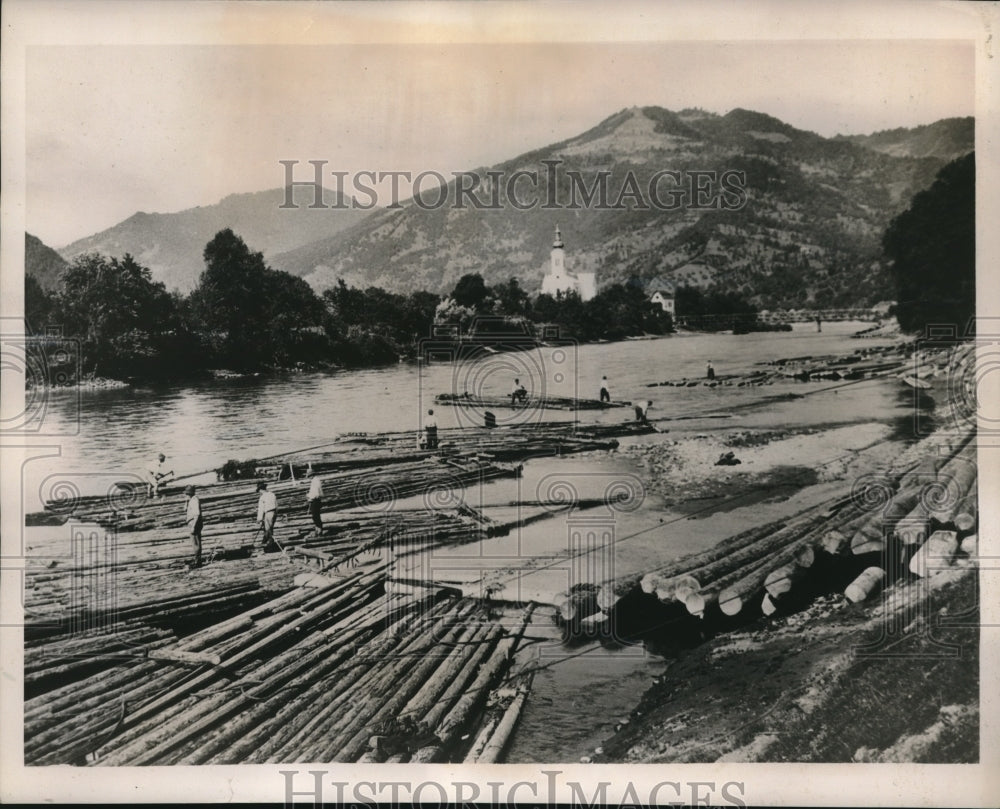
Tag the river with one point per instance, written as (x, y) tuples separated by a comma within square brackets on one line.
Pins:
[(201, 425), (102, 435)]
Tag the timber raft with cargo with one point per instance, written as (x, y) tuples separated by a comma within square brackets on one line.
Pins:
[(330, 650)]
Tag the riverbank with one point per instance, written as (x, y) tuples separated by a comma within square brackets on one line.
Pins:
[(782, 672), (817, 672), (827, 684)]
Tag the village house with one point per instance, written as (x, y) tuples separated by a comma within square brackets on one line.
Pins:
[(661, 292)]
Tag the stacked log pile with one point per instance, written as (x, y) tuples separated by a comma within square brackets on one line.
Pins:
[(767, 560)]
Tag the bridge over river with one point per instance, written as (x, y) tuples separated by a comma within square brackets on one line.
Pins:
[(780, 316)]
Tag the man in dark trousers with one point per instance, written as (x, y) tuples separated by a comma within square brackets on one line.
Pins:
[(314, 501), (710, 373), (267, 512), (431, 428), (605, 389), (192, 516)]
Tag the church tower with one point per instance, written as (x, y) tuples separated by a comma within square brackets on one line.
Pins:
[(558, 280), (557, 265)]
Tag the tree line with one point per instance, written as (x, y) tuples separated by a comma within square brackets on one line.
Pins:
[(247, 317), (242, 316)]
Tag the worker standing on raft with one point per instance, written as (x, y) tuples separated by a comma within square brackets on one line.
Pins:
[(314, 501), (193, 518), (431, 430), (710, 371), (605, 389), (267, 511)]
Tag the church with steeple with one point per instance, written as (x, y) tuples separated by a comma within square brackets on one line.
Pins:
[(559, 279)]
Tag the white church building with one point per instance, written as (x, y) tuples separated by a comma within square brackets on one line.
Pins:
[(559, 279)]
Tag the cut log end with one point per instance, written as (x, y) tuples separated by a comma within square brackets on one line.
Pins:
[(730, 603), (865, 584), (936, 554), (695, 604)]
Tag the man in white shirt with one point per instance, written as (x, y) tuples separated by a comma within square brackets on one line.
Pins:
[(267, 511), (605, 389), (157, 474), (192, 516), (314, 501)]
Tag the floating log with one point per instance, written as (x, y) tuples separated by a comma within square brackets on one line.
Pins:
[(458, 716), (297, 722), (483, 738), (347, 741), (501, 736)]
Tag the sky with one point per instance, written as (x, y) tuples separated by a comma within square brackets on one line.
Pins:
[(115, 129)]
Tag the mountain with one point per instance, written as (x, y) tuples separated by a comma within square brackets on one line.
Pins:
[(808, 234), (171, 244), (947, 139), (42, 262)]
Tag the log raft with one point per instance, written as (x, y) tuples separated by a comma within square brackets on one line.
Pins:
[(251, 657), (543, 402)]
